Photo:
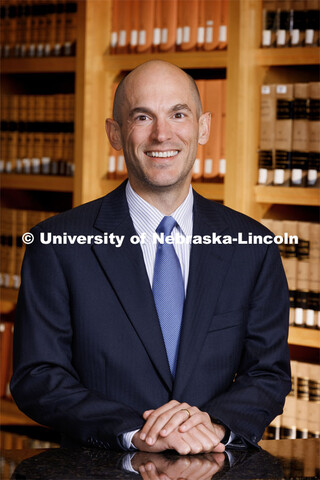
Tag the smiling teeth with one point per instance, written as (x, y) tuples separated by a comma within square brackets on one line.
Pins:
[(172, 153)]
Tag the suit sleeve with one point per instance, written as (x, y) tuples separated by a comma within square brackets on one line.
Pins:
[(45, 385), (263, 379)]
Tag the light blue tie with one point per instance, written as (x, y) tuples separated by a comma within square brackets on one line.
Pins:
[(168, 292)]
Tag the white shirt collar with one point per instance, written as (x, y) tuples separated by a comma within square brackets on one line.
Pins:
[(146, 218)]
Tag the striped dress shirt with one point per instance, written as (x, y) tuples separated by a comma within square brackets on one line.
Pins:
[(146, 219)]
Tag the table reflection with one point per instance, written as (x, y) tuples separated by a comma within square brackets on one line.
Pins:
[(69, 464)]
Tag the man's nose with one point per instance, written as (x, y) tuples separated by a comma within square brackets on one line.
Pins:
[(161, 131)]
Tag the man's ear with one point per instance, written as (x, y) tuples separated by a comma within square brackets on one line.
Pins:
[(113, 132), (204, 128)]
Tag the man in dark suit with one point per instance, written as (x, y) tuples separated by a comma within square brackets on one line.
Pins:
[(124, 345)]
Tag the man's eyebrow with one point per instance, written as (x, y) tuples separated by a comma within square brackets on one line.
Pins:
[(180, 106), (136, 110)]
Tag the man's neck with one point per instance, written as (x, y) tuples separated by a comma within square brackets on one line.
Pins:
[(166, 200)]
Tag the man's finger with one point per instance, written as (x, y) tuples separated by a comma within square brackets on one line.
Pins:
[(180, 444), (151, 416), (197, 441), (174, 416), (196, 418), (147, 414), (159, 422), (160, 416), (182, 416)]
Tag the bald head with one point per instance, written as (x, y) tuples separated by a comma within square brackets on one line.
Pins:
[(160, 68)]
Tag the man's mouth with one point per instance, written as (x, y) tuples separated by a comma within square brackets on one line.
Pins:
[(159, 154)]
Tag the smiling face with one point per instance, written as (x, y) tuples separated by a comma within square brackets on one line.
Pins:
[(159, 128)]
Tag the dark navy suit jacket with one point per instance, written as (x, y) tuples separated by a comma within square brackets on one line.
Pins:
[(89, 356)]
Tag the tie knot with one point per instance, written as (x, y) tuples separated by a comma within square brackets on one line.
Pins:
[(166, 225)]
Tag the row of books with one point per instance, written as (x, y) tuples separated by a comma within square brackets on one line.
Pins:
[(14, 223), (37, 134), (17, 110), (301, 262), (37, 153), (38, 28), (305, 379), (290, 23), (210, 163), (144, 26), (300, 419), (289, 148), (301, 413)]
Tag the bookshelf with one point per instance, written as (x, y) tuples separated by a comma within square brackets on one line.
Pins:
[(287, 56), (287, 195), (45, 76), (207, 60), (304, 337), (38, 65), (8, 295), (247, 67), (52, 183), (11, 415)]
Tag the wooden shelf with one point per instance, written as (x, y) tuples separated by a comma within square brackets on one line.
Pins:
[(55, 183), (11, 415), (9, 294), (287, 195), (287, 56), (305, 337), (38, 65), (109, 185), (216, 59), (213, 191)]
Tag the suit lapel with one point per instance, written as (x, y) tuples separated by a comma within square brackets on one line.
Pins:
[(125, 269), (208, 266)]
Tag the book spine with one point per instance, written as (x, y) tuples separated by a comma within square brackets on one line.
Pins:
[(59, 27), (213, 103), (70, 34), (223, 27), (297, 33), (300, 136), (157, 22), (284, 24), (313, 178), (134, 26), (269, 23), (267, 134), (124, 27), (312, 23), (283, 135), (189, 25), (213, 17), (197, 172), (146, 16), (169, 22), (114, 26)]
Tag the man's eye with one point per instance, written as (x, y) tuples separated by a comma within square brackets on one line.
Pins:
[(179, 115), (141, 118)]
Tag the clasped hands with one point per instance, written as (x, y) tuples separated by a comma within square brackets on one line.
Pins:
[(178, 426)]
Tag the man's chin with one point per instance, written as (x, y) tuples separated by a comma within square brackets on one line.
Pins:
[(167, 182)]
